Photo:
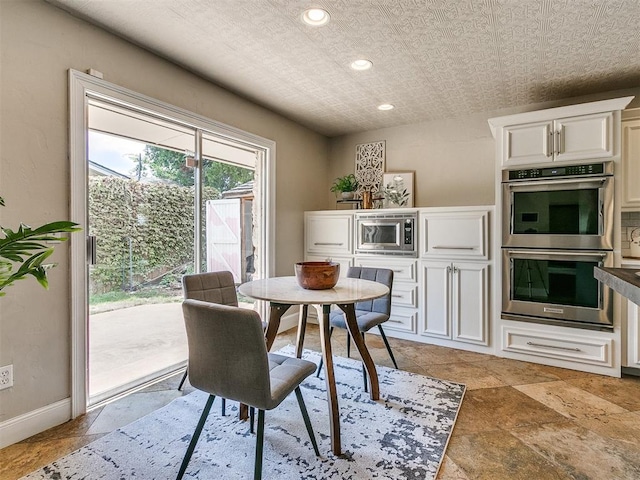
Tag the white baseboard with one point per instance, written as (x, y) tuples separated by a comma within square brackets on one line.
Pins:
[(24, 426), (288, 321)]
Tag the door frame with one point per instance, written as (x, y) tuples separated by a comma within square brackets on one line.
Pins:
[(81, 87)]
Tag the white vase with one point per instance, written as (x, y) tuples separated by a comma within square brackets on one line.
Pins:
[(348, 195)]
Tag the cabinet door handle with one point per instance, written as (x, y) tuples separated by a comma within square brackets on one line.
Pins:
[(455, 269), (570, 349), (558, 141), (328, 243), (549, 145), (454, 247)]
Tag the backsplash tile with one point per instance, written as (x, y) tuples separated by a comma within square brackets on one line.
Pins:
[(628, 222)]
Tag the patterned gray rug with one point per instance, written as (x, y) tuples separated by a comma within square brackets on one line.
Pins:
[(402, 436)]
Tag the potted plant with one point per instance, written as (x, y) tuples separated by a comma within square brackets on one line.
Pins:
[(346, 186), (27, 249)]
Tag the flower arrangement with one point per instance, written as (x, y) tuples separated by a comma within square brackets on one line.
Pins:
[(395, 192)]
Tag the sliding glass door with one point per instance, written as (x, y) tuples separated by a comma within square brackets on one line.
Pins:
[(148, 217), (165, 200)]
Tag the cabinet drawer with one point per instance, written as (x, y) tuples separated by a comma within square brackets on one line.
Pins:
[(330, 234), (582, 349), (402, 319), (404, 295), (455, 234), (404, 269)]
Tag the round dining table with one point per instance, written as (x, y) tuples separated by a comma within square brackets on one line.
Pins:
[(284, 292)]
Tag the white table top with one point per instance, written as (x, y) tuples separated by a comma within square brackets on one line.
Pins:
[(287, 291)]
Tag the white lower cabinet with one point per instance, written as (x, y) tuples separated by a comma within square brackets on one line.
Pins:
[(455, 301), (633, 335), (574, 347), (404, 293), (402, 319), (440, 298)]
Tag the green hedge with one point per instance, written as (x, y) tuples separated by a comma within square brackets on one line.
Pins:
[(155, 219)]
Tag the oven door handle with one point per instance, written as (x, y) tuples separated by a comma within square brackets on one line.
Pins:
[(564, 253), (568, 181)]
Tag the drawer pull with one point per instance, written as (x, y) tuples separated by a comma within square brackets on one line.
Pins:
[(533, 344), (394, 321), (445, 247), (398, 271), (397, 296), (328, 243)]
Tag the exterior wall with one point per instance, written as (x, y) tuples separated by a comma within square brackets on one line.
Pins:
[(38, 44), (453, 159)]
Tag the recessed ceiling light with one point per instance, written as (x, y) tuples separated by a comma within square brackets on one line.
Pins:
[(361, 64), (385, 106), (315, 17)]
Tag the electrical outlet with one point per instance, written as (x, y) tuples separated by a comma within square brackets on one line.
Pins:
[(6, 377)]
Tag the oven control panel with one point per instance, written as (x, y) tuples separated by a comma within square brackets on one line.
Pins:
[(551, 172)]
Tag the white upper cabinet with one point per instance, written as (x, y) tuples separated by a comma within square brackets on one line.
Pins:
[(565, 134), (631, 163), (527, 143), (584, 137), (328, 233)]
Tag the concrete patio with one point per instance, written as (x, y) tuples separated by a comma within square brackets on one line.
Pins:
[(133, 345)]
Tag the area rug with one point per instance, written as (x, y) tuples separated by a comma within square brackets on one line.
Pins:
[(401, 436)]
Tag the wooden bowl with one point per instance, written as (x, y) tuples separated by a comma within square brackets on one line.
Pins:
[(317, 275)]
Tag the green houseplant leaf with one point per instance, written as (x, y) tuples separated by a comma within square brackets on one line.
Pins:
[(348, 183), (23, 252)]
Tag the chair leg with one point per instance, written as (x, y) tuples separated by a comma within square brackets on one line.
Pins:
[(257, 475), (307, 421), (321, 363), (364, 378), (224, 407), (348, 345), (184, 377), (195, 437), (364, 372), (252, 418), (386, 344)]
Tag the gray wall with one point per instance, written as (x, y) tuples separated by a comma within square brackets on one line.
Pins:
[(38, 44), (453, 160)]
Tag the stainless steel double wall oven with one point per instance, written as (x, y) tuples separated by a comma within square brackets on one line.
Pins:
[(557, 226)]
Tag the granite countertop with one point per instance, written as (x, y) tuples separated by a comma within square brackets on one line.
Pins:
[(625, 281)]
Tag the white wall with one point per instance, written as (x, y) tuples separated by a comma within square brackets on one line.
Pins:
[(38, 44)]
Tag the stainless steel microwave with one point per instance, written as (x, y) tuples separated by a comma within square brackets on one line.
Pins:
[(387, 233)]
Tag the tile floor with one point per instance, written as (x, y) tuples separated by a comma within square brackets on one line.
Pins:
[(518, 420)]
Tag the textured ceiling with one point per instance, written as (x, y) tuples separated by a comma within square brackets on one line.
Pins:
[(431, 59)]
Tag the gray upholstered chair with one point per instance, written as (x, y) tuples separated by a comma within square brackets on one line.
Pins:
[(213, 287), (370, 313), (228, 358)]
